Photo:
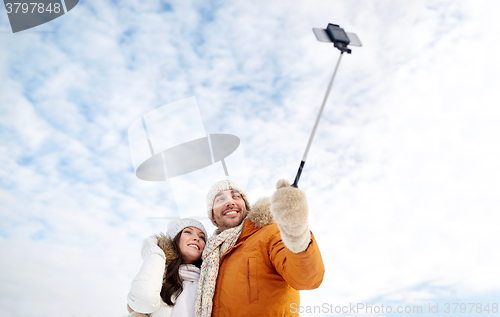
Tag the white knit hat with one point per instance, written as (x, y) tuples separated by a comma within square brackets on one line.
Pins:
[(217, 188), (178, 225)]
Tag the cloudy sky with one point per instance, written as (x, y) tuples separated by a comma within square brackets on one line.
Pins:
[(402, 178)]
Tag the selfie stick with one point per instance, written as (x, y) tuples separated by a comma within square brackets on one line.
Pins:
[(340, 39)]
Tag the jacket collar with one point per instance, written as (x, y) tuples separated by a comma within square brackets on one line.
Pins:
[(259, 216), (249, 228)]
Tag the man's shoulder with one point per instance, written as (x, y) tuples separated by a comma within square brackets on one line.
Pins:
[(270, 228), (259, 220), (253, 232), (260, 213)]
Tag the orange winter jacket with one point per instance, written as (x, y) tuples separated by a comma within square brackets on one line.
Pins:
[(259, 276)]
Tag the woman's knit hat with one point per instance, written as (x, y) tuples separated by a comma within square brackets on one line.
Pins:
[(177, 226), (221, 186)]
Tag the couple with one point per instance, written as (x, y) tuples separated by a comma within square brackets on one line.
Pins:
[(253, 265)]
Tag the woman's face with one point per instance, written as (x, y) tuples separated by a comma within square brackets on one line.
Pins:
[(191, 244)]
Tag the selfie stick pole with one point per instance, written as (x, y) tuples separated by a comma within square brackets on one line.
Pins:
[(296, 182)]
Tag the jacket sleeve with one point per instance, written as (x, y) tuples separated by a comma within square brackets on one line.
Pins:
[(303, 270), (144, 296)]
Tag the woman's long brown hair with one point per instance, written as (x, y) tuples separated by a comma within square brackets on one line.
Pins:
[(172, 281)]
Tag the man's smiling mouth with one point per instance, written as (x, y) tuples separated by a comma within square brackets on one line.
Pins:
[(231, 212)]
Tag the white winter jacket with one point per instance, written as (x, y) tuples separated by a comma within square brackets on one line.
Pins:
[(144, 296)]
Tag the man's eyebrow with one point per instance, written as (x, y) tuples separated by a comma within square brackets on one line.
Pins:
[(232, 191), (218, 195)]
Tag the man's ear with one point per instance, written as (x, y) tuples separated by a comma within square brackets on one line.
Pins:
[(213, 218)]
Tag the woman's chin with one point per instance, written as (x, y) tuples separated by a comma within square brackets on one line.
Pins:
[(190, 259)]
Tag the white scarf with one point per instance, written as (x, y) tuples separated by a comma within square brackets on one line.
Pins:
[(184, 304), (215, 248)]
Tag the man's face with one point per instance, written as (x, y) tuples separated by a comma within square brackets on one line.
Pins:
[(229, 209)]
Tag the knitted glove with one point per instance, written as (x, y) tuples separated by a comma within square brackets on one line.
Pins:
[(289, 208), (150, 246)]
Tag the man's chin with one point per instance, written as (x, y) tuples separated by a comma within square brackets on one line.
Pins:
[(233, 221)]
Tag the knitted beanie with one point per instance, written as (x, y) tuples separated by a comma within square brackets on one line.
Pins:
[(177, 226), (221, 186)]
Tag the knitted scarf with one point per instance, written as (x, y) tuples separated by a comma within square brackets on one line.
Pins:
[(184, 303), (215, 248)]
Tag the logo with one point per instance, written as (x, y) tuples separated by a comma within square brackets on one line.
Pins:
[(170, 143), (25, 15)]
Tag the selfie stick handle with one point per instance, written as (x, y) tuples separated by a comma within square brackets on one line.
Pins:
[(296, 182)]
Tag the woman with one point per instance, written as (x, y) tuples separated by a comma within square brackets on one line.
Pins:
[(167, 281)]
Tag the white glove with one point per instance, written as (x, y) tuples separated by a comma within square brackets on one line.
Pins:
[(289, 208), (150, 246)]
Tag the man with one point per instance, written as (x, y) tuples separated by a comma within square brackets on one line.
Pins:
[(258, 258)]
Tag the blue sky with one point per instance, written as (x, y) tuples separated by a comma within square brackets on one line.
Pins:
[(402, 177)]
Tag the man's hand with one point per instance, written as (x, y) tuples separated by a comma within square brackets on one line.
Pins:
[(289, 207)]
